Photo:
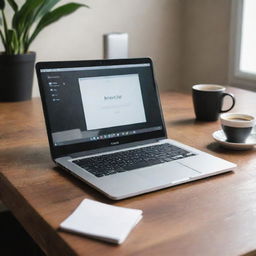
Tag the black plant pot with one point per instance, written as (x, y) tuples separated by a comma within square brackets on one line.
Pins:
[(16, 76)]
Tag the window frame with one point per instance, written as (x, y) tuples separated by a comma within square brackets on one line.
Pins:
[(237, 77)]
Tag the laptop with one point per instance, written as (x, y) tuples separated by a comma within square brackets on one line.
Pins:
[(105, 126)]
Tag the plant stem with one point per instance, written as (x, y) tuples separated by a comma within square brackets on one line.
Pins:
[(7, 48), (2, 38)]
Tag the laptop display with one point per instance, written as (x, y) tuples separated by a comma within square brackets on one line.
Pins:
[(98, 104)]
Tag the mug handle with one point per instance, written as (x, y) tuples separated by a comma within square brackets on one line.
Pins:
[(233, 101)]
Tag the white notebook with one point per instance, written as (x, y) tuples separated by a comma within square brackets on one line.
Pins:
[(102, 221)]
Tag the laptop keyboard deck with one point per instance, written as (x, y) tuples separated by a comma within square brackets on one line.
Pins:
[(123, 161)]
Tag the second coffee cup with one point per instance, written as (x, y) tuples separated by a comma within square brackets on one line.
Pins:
[(208, 101), (237, 127)]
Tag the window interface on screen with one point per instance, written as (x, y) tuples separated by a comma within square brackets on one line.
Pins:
[(87, 104)]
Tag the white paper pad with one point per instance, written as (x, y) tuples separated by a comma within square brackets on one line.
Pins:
[(102, 221)]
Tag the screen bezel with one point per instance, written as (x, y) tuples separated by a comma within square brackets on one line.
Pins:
[(59, 151)]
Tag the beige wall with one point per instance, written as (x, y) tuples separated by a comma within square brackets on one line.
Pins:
[(153, 27), (205, 42), (188, 40)]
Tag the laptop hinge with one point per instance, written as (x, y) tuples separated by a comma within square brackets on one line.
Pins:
[(113, 148)]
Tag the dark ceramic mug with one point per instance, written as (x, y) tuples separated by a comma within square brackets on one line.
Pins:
[(237, 127), (208, 101)]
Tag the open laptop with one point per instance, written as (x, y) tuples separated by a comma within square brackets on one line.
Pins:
[(105, 126)]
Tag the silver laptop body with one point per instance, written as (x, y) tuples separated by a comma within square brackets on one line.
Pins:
[(105, 107)]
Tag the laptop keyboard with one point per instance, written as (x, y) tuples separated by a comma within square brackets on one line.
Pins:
[(131, 159)]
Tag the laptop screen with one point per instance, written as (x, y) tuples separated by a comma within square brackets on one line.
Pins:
[(94, 104)]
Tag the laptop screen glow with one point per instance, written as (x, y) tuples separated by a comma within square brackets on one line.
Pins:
[(110, 101)]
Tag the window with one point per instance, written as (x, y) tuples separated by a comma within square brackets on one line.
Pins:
[(243, 44)]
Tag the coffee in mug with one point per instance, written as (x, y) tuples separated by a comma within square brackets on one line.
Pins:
[(237, 127), (208, 101)]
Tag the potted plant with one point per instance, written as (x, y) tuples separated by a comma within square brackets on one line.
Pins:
[(17, 62)]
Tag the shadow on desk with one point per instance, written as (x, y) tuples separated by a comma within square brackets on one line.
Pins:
[(26, 155), (92, 192), (14, 241), (215, 147), (183, 122)]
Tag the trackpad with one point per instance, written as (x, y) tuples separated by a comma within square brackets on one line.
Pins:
[(170, 173)]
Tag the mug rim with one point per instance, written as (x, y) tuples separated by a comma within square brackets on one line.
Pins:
[(237, 123), (198, 87)]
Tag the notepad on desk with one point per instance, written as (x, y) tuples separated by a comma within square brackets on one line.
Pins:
[(102, 221)]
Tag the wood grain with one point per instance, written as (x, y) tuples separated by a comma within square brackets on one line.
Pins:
[(213, 216)]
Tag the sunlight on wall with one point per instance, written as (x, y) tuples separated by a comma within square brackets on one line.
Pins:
[(248, 41)]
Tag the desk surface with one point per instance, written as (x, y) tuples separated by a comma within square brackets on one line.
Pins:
[(214, 216)]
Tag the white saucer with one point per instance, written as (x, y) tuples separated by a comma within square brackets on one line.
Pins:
[(220, 137)]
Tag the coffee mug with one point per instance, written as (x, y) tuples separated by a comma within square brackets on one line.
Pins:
[(208, 101), (237, 127)]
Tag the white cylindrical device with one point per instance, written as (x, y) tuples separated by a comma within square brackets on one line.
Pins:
[(115, 46)]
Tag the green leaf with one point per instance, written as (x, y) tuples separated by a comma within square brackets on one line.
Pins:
[(22, 16), (15, 43), (12, 40), (2, 4), (41, 11), (9, 49), (46, 7), (54, 16), (13, 4), (49, 5), (12, 44)]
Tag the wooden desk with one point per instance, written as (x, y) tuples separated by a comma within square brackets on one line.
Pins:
[(214, 216)]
